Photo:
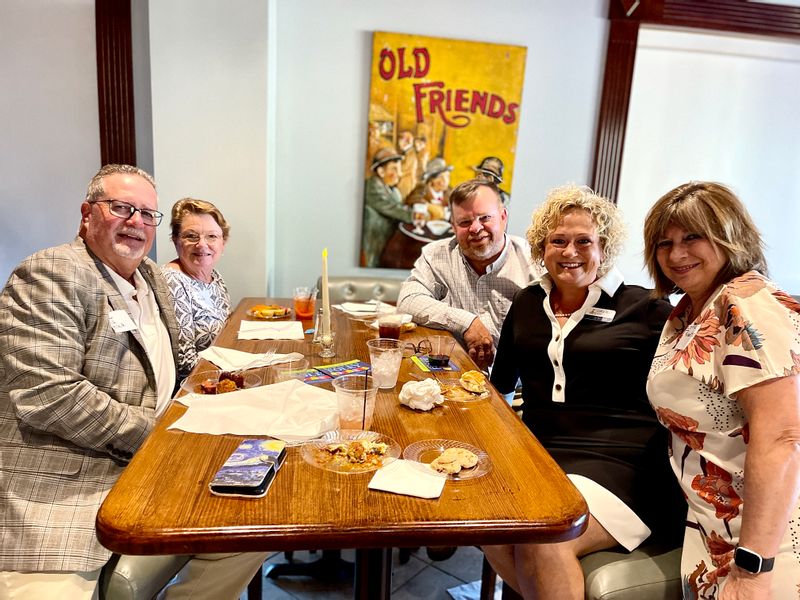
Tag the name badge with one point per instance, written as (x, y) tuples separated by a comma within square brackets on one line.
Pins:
[(121, 321), (604, 315), (687, 336)]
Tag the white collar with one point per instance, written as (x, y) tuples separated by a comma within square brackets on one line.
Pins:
[(609, 282)]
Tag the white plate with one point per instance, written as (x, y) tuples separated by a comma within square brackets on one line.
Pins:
[(192, 383), (438, 227), (425, 451), (314, 452)]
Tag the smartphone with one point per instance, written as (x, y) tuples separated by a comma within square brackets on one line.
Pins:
[(250, 481), (250, 469)]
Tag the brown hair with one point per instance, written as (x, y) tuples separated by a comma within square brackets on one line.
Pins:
[(467, 190), (186, 206), (713, 211)]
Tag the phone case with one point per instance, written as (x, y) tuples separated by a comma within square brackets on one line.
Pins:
[(250, 469)]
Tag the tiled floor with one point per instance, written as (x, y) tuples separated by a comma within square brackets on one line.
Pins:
[(419, 578)]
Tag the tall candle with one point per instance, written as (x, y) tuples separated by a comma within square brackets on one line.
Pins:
[(326, 303)]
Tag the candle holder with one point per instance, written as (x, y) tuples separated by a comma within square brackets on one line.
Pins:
[(326, 342)]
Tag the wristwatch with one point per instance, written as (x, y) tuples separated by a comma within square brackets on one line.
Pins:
[(752, 561)]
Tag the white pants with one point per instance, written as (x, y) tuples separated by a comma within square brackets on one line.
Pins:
[(211, 576)]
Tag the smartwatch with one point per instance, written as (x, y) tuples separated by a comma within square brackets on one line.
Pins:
[(752, 562)]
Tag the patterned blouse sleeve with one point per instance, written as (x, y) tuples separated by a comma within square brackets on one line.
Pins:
[(184, 312), (759, 333)]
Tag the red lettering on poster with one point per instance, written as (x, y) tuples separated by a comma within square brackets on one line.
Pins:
[(389, 64), (432, 99)]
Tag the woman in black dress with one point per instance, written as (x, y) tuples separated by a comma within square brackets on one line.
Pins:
[(581, 343)]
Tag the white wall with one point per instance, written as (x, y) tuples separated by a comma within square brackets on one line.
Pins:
[(208, 63), (323, 71), (721, 108), (50, 140)]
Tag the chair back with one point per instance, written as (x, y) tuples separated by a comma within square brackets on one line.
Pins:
[(362, 289)]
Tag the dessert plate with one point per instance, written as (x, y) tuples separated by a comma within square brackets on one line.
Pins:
[(425, 451)]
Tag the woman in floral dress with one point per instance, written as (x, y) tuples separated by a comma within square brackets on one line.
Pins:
[(202, 302), (725, 382)]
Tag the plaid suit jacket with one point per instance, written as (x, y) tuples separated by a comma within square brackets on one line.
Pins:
[(76, 401)]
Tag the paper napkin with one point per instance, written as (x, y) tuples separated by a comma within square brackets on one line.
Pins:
[(409, 478), (271, 330), (365, 308), (290, 411), (229, 359)]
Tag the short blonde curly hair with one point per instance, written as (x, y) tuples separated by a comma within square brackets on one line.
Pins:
[(604, 213)]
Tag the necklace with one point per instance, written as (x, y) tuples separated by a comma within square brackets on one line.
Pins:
[(559, 315)]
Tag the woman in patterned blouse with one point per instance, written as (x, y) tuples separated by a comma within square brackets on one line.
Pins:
[(202, 303), (725, 382)]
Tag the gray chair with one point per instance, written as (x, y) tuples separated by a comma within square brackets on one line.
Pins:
[(651, 572), (138, 577), (361, 289), (142, 577)]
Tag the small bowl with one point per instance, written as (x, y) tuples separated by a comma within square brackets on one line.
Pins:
[(438, 227), (192, 383)]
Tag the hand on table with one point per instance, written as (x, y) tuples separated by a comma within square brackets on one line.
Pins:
[(479, 343)]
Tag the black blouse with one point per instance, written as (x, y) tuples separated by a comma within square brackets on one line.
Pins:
[(605, 428)]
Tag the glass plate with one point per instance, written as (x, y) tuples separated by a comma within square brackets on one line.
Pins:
[(192, 383), (425, 451), (252, 315), (457, 393), (314, 452)]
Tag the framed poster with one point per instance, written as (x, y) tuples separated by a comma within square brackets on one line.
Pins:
[(441, 112)]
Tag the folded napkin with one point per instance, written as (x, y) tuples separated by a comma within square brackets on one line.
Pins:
[(365, 308), (229, 359), (409, 478), (271, 330), (290, 411)]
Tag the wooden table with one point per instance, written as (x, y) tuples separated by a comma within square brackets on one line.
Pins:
[(161, 503)]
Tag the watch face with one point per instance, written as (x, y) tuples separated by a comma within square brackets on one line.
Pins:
[(747, 560)]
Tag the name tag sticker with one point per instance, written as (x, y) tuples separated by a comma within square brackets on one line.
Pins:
[(687, 336), (121, 321), (604, 315)]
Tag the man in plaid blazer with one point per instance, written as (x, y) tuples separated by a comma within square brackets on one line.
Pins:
[(88, 347)]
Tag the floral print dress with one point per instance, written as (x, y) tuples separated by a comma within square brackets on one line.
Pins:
[(748, 332), (201, 309)]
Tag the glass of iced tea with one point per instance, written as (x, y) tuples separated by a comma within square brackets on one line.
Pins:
[(304, 303), (389, 326)]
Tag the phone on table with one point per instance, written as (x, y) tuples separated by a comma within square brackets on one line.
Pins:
[(250, 470)]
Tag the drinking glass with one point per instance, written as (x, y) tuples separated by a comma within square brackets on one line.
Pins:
[(385, 356), (304, 303), (355, 395)]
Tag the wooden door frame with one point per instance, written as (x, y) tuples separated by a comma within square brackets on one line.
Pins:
[(625, 18)]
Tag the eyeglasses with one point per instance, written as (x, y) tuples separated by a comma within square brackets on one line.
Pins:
[(194, 238), (423, 347), (123, 210)]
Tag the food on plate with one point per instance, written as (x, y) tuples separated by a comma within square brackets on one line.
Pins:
[(268, 311), (453, 460), (227, 382), (356, 454), (474, 381)]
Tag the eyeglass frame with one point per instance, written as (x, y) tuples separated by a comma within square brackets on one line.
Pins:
[(194, 238), (144, 212), (422, 348)]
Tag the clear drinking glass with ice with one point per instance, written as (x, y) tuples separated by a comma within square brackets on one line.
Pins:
[(385, 356)]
